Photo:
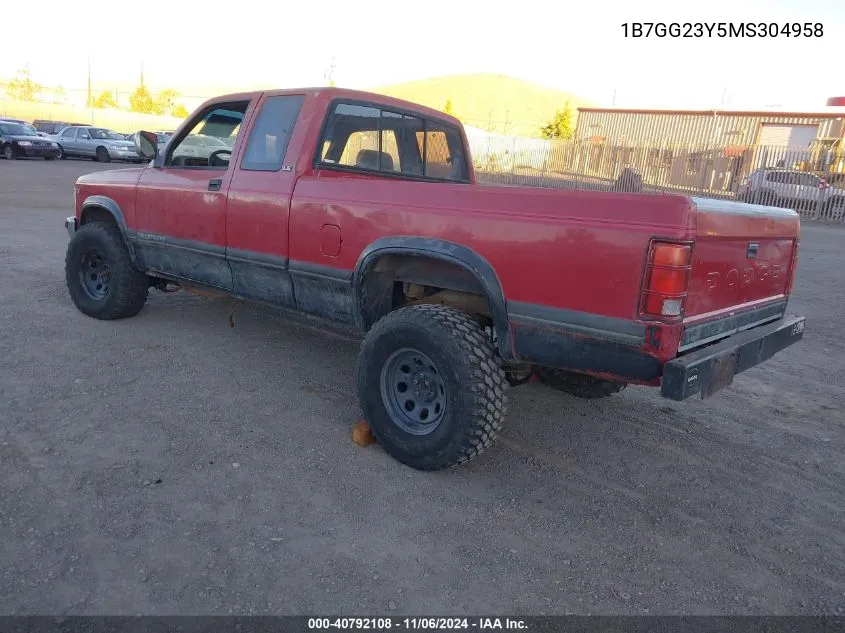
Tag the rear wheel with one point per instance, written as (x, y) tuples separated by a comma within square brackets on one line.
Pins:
[(431, 387), (103, 155), (579, 385), (101, 279)]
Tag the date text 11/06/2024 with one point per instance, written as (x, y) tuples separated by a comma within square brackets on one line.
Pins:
[(723, 29), (416, 624)]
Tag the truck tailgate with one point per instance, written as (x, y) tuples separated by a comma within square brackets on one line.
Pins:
[(742, 268)]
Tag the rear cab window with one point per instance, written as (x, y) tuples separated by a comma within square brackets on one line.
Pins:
[(377, 139)]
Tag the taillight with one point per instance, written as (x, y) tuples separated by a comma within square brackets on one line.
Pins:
[(666, 280), (793, 268)]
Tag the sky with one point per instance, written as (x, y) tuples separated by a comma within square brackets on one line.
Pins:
[(211, 47)]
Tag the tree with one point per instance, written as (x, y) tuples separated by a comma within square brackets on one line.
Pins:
[(448, 107), (105, 100), (180, 111), (560, 126), (164, 101), (22, 87), (141, 100)]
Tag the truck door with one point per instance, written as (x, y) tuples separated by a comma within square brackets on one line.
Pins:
[(258, 204), (181, 200)]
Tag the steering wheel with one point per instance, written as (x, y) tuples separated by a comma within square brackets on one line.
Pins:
[(212, 158)]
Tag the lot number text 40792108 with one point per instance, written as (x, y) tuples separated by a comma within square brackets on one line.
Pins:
[(417, 624)]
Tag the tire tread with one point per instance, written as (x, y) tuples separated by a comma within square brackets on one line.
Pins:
[(130, 284), (488, 383)]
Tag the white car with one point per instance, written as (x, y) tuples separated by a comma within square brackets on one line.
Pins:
[(793, 189), (199, 146)]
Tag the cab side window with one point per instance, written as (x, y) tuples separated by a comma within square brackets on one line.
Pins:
[(209, 140)]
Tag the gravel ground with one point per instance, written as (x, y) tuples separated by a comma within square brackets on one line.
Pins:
[(173, 464)]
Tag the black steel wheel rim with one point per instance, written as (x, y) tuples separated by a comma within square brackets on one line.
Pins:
[(413, 391), (94, 275)]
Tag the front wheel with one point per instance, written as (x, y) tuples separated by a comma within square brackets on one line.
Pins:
[(101, 279), (431, 387), (103, 155), (9, 152)]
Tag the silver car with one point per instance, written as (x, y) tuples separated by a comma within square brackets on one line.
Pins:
[(793, 189), (200, 146), (99, 143)]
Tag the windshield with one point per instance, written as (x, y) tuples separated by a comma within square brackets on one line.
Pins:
[(101, 133), (17, 129)]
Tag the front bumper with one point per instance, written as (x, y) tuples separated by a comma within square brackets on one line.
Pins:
[(118, 154), (34, 151), (708, 370), (70, 225)]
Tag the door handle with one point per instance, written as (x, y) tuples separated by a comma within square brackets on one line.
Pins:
[(214, 184)]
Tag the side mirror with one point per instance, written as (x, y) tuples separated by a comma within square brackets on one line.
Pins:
[(146, 144)]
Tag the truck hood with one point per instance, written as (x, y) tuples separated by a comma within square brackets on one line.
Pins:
[(128, 176)]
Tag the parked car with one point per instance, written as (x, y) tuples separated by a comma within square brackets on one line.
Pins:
[(8, 120), (52, 127), (31, 129), (19, 140), (791, 188), (364, 210), (199, 146), (163, 138), (99, 143)]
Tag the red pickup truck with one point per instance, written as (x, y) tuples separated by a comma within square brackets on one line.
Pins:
[(364, 210)]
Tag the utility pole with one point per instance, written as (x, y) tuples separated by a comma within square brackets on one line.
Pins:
[(328, 76), (89, 102), (142, 73)]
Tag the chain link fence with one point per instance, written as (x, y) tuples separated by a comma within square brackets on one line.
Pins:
[(809, 180)]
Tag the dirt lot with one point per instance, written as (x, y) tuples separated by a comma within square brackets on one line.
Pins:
[(173, 464)]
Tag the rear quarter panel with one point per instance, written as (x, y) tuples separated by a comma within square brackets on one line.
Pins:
[(575, 250)]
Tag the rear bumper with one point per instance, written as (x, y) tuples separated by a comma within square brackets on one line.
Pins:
[(708, 370)]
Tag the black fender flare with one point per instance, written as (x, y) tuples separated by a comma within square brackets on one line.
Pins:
[(447, 252), (112, 208)]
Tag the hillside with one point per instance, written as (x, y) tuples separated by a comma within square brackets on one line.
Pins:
[(497, 103)]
